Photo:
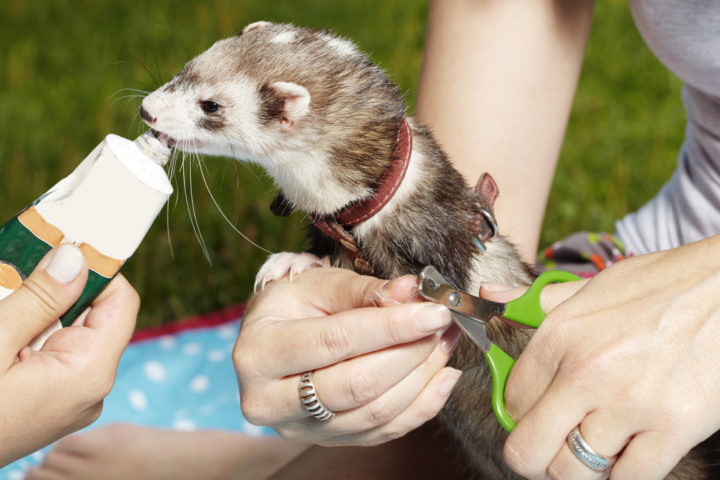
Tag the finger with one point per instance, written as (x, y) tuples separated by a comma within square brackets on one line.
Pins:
[(361, 291), (399, 290), (300, 345), (536, 367), (649, 455), (534, 370), (56, 464), (360, 380), (553, 295), (331, 290), (43, 472), (605, 433), (412, 402), (424, 407), (501, 293), (353, 423), (112, 316), (540, 434), (550, 298), (277, 402), (567, 465), (54, 285), (340, 387)]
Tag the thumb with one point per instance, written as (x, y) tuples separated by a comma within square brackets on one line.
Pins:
[(551, 296), (501, 293), (398, 290), (54, 285), (556, 293)]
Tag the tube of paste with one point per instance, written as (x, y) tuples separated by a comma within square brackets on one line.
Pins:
[(105, 207)]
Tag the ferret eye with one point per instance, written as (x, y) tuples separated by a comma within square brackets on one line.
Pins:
[(209, 107)]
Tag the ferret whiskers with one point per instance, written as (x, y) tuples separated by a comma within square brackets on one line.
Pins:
[(190, 204), (201, 165), (171, 170), (133, 94)]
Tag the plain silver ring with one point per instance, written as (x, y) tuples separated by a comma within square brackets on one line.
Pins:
[(310, 400), (584, 452)]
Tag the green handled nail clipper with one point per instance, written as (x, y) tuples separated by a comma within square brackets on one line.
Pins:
[(472, 314)]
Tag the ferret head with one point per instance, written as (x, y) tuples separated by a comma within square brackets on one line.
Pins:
[(304, 104)]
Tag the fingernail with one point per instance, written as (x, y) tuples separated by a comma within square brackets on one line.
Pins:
[(66, 263), (448, 383), (451, 339), (400, 289), (381, 300), (496, 287), (431, 317)]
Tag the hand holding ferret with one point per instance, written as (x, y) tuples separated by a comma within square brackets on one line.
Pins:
[(58, 389), (377, 362), (630, 357)]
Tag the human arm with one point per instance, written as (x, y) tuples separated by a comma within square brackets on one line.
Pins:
[(496, 87), (631, 356), (379, 364), (49, 393)]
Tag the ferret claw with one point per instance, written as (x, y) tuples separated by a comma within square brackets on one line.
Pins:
[(287, 263)]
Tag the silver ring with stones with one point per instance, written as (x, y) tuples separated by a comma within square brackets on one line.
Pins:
[(310, 400), (584, 452)]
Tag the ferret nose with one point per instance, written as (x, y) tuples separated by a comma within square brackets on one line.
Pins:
[(146, 115)]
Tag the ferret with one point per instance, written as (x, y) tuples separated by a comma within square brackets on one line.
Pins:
[(327, 125)]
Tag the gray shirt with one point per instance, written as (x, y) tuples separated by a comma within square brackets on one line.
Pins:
[(685, 36)]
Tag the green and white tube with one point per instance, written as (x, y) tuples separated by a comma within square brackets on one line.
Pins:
[(105, 207)]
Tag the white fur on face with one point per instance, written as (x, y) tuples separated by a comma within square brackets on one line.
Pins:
[(173, 112), (305, 174), (301, 168), (179, 113), (241, 116)]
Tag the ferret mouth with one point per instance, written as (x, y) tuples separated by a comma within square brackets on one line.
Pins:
[(187, 145), (164, 138)]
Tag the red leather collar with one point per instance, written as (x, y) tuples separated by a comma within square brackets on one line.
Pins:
[(389, 184), (333, 226)]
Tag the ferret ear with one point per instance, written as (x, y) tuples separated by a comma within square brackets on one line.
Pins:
[(290, 102), (255, 26)]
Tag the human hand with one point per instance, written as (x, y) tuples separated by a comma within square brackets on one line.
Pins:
[(377, 352), (630, 357), (49, 393)]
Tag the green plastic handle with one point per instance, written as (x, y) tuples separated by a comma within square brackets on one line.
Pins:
[(500, 365), (526, 309)]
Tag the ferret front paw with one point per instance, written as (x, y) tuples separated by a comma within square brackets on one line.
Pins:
[(287, 263)]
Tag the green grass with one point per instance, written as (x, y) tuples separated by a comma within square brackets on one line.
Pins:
[(64, 65)]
